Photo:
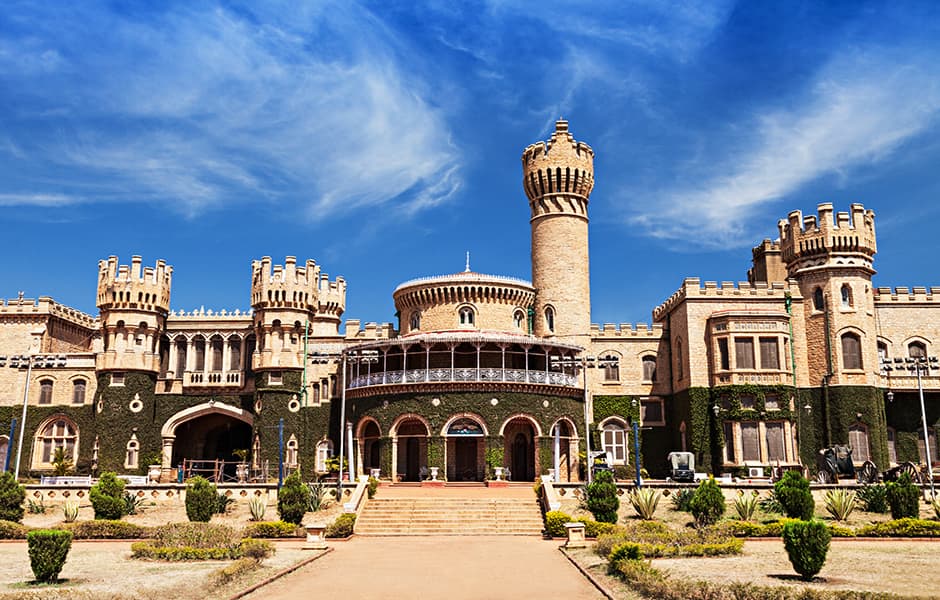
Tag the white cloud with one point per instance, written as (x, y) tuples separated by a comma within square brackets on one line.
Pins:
[(859, 110), (41, 200)]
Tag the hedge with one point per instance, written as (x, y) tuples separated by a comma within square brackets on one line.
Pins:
[(105, 530), (272, 529)]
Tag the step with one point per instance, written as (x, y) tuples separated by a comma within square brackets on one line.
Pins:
[(450, 516)]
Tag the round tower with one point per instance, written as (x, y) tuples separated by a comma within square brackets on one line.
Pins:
[(831, 259), (558, 176), (133, 306)]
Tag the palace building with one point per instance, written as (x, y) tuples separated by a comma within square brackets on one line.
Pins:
[(485, 371)]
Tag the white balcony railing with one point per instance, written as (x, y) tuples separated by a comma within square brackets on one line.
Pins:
[(464, 375)]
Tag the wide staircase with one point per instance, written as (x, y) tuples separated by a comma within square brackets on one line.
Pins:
[(450, 515)]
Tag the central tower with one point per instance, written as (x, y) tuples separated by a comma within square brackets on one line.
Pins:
[(558, 176)]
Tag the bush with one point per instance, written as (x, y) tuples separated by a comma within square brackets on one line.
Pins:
[(602, 498), (174, 553), (625, 551), (901, 528), (70, 511), (807, 543), (233, 571), (656, 539), (682, 499), (12, 495), (708, 503), (318, 494), (593, 529), (195, 535), (202, 500), (11, 530), (794, 496), (222, 503), (270, 529), (257, 505), (555, 523), (293, 499), (770, 504), (342, 527), (873, 498), (373, 487), (746, 505), (106, 530), (903, 498), (645, 501), (131, 502), (48, 549), (256, 549), (840, 503), (107, 497), (742, 529)]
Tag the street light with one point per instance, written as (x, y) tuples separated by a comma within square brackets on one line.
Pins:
[(918, 365), (584, 363)]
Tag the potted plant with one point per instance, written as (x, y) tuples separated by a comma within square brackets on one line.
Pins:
[(241, 469)]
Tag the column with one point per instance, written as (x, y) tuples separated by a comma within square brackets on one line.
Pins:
[(557, 453)]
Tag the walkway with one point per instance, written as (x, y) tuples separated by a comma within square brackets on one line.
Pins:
[(451, 568)]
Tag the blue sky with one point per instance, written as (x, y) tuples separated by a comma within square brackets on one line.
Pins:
[(383, 139)]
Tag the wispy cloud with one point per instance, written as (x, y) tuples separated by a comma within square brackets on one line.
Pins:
[(198, 107), (861, 107), (41, 200)]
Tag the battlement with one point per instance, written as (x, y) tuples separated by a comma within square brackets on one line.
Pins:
[(46, 306), (559, 166), (285, 286), (840, 234), (905, 295), (371, 331), (332, 296), (126, 287), (626, 330), (693, 288)]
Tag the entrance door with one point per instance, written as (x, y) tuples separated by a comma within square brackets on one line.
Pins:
[(521, 459), (412, 459), (466, 459)]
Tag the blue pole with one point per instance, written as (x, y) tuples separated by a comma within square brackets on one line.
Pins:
[(6, 463), (280, 453), (636, 453)]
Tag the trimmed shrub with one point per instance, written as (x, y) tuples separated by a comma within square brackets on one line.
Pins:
[(682, 499), (48, 549), (901, 528), (270, 529), (708, 503), (794, 496), (342, 527), (107, 497), (231, 572), (373, 487), (873, 498), (11, 530), (256, 549), (555, 523), (625, 551), (602, 498), (903, 498), (742, 529), (106, 530), (293, 499), (195, 535), (807, 543), (658, 539), (12, 495), (173, 553), (202, 500), (592, 528)]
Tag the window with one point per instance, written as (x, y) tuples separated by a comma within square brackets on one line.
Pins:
[(324, 453), (846, 296), (858, 441), (614, 442), (892, 447), (611, 369), (290, 453), (217, 345), (750, 441), (921, 451), (769, 358), (651, 412), (649, 368), (180, 358), (818, 301), (45, 391), (744, 353), (132, 453), (117, 379), (729, 442), (748, 401), (882, 352), (235, 355), (78, 391), (200, 346), (275, 378), (917, 350), (518, 319), (58, 433), (851, 351), (723, 357), (415, 321), (466, 316), (775, 442), (771, 402), (550, 319)]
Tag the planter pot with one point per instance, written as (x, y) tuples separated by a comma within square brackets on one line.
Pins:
[(153, 473), (375, 473), (241, 472), (499, 473), (434, 473), (315, 537)]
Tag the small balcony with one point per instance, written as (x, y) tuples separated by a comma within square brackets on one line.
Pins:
[(464, 375)]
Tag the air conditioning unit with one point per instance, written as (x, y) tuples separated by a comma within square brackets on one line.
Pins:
[(755, 472)]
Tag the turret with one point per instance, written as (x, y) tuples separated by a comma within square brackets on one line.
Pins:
[(134, 306), (849, 239), (558, 176)]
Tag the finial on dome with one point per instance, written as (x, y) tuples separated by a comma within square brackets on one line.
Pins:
[(561, 124), (467, 270)]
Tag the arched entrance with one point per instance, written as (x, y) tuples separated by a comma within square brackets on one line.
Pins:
[(370, 449), (466, 458), (565, 450), (411, 448), (205, 434), (519, 436)]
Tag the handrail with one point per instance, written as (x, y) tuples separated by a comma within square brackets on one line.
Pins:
[(355, 504)]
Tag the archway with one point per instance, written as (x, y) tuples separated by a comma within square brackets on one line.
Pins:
[(370, 449), (466, 458), (565, 446), (519, 443), (411, 447), (205, 435)]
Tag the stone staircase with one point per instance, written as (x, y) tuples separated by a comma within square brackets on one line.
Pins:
[(450, 516)]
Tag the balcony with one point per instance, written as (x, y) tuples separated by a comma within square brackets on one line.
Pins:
[(212, 379), (759, 378), (464, 375)]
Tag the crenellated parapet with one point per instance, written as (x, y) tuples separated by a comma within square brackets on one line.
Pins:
[(285, 286), (126, 287), (693, 288), (558, 175), (906, 295), (844, 239), (626, 330), (332, 296), (46, 306), (369, 331)]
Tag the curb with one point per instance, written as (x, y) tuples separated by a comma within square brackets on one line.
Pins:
[(278, 575), (587, 574)]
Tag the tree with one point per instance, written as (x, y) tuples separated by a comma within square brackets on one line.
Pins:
[(602, 498), (107, 497)]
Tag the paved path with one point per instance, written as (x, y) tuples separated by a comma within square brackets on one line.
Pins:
[(428, 568)]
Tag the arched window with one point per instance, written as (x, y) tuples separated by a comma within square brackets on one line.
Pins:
[(858, 441), (324, 453), (649, 368), (291, 452), (518, 319), (45, 391), (78, 391), (818, 301), (200, 347), (466, 316), (846, 295), (550, 319), (59, 432), (614, 442), (132, 452), (851, 351), (180, 358), (917, 350), (217, 346), (611, 368), (415, 321), (235, 354)]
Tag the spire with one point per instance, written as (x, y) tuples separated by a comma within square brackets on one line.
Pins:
[(467, 270)]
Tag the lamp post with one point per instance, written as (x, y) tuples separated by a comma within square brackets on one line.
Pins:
[(584, 363), (918, 365)]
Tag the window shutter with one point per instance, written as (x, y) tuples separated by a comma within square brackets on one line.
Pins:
[(768, 354), (775, 447), (744, 353), (750, 442)]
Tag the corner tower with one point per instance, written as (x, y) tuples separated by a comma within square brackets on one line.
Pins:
[(133, 306), (558, 176)]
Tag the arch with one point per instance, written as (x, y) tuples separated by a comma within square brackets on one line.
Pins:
[(550, 318), (819, 302), (845, 294), (615, 439), (572, 429), (168, 431), (55, 431), (365, 422), (532, 420), (851, 343), (401, 419), (859, 442), (464, 415)]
